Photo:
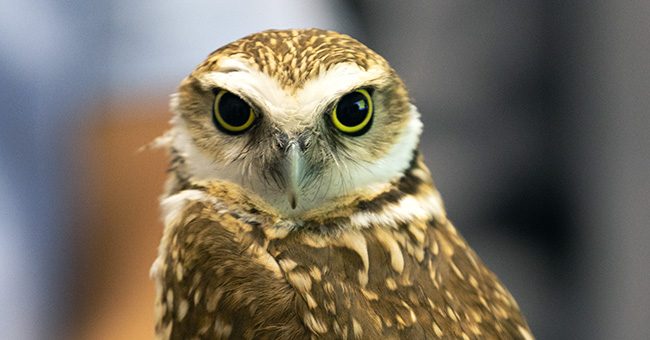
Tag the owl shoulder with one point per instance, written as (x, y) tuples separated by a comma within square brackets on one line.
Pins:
[(215, 278)]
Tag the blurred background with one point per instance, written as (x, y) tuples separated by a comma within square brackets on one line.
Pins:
[(536, 131)]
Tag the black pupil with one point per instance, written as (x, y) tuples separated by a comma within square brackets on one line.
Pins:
[(233, 110), (352, 109)]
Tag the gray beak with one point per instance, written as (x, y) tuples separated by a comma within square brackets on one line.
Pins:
[(294, 169)]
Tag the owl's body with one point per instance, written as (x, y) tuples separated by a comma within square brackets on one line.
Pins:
[(290, 214)]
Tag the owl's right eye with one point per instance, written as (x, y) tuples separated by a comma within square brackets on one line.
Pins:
[(231, 114)]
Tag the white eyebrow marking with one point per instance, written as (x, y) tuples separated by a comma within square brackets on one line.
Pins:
[(290, 109)]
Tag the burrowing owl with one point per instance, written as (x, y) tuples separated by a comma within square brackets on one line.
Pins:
[(299, 207)]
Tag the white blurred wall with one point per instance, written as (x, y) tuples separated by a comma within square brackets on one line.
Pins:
[(156, 44)]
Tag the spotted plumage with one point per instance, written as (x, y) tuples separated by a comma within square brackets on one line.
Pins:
[(295, 230), (294, 56)]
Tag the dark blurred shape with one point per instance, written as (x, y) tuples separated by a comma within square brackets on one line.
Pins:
[(505, 93)]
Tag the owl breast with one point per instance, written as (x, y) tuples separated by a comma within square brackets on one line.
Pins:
[(393, 268)]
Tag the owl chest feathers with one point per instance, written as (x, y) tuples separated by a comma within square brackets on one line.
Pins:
[(388, 266)]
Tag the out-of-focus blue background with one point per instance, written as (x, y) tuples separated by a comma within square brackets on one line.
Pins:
[(536, 130)]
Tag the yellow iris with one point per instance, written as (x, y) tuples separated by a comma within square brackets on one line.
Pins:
[(240, 115), (353, 112)]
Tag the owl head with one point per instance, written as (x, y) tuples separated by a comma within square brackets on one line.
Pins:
[(302, 119)]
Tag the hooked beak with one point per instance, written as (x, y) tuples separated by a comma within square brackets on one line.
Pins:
[(294, 172)]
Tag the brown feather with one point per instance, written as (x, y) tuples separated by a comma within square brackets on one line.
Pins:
[(231, 268)]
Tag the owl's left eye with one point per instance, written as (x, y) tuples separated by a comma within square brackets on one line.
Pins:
[(231, 114), (352, 115)]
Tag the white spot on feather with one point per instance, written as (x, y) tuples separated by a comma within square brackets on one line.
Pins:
[(174, 205), (408, 208), (357, 330), (287, 264), (156, 268), (315, 325), (391, 246), (300, 281), (264, 259), (182, 309), (525, 333), (222, 329), (356, 242)]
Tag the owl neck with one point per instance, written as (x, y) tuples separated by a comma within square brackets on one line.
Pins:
[(411, 196)]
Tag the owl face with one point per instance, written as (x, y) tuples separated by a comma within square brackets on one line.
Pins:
[(300, 118)]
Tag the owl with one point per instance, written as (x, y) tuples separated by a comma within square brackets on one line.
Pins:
[(298, 206)]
